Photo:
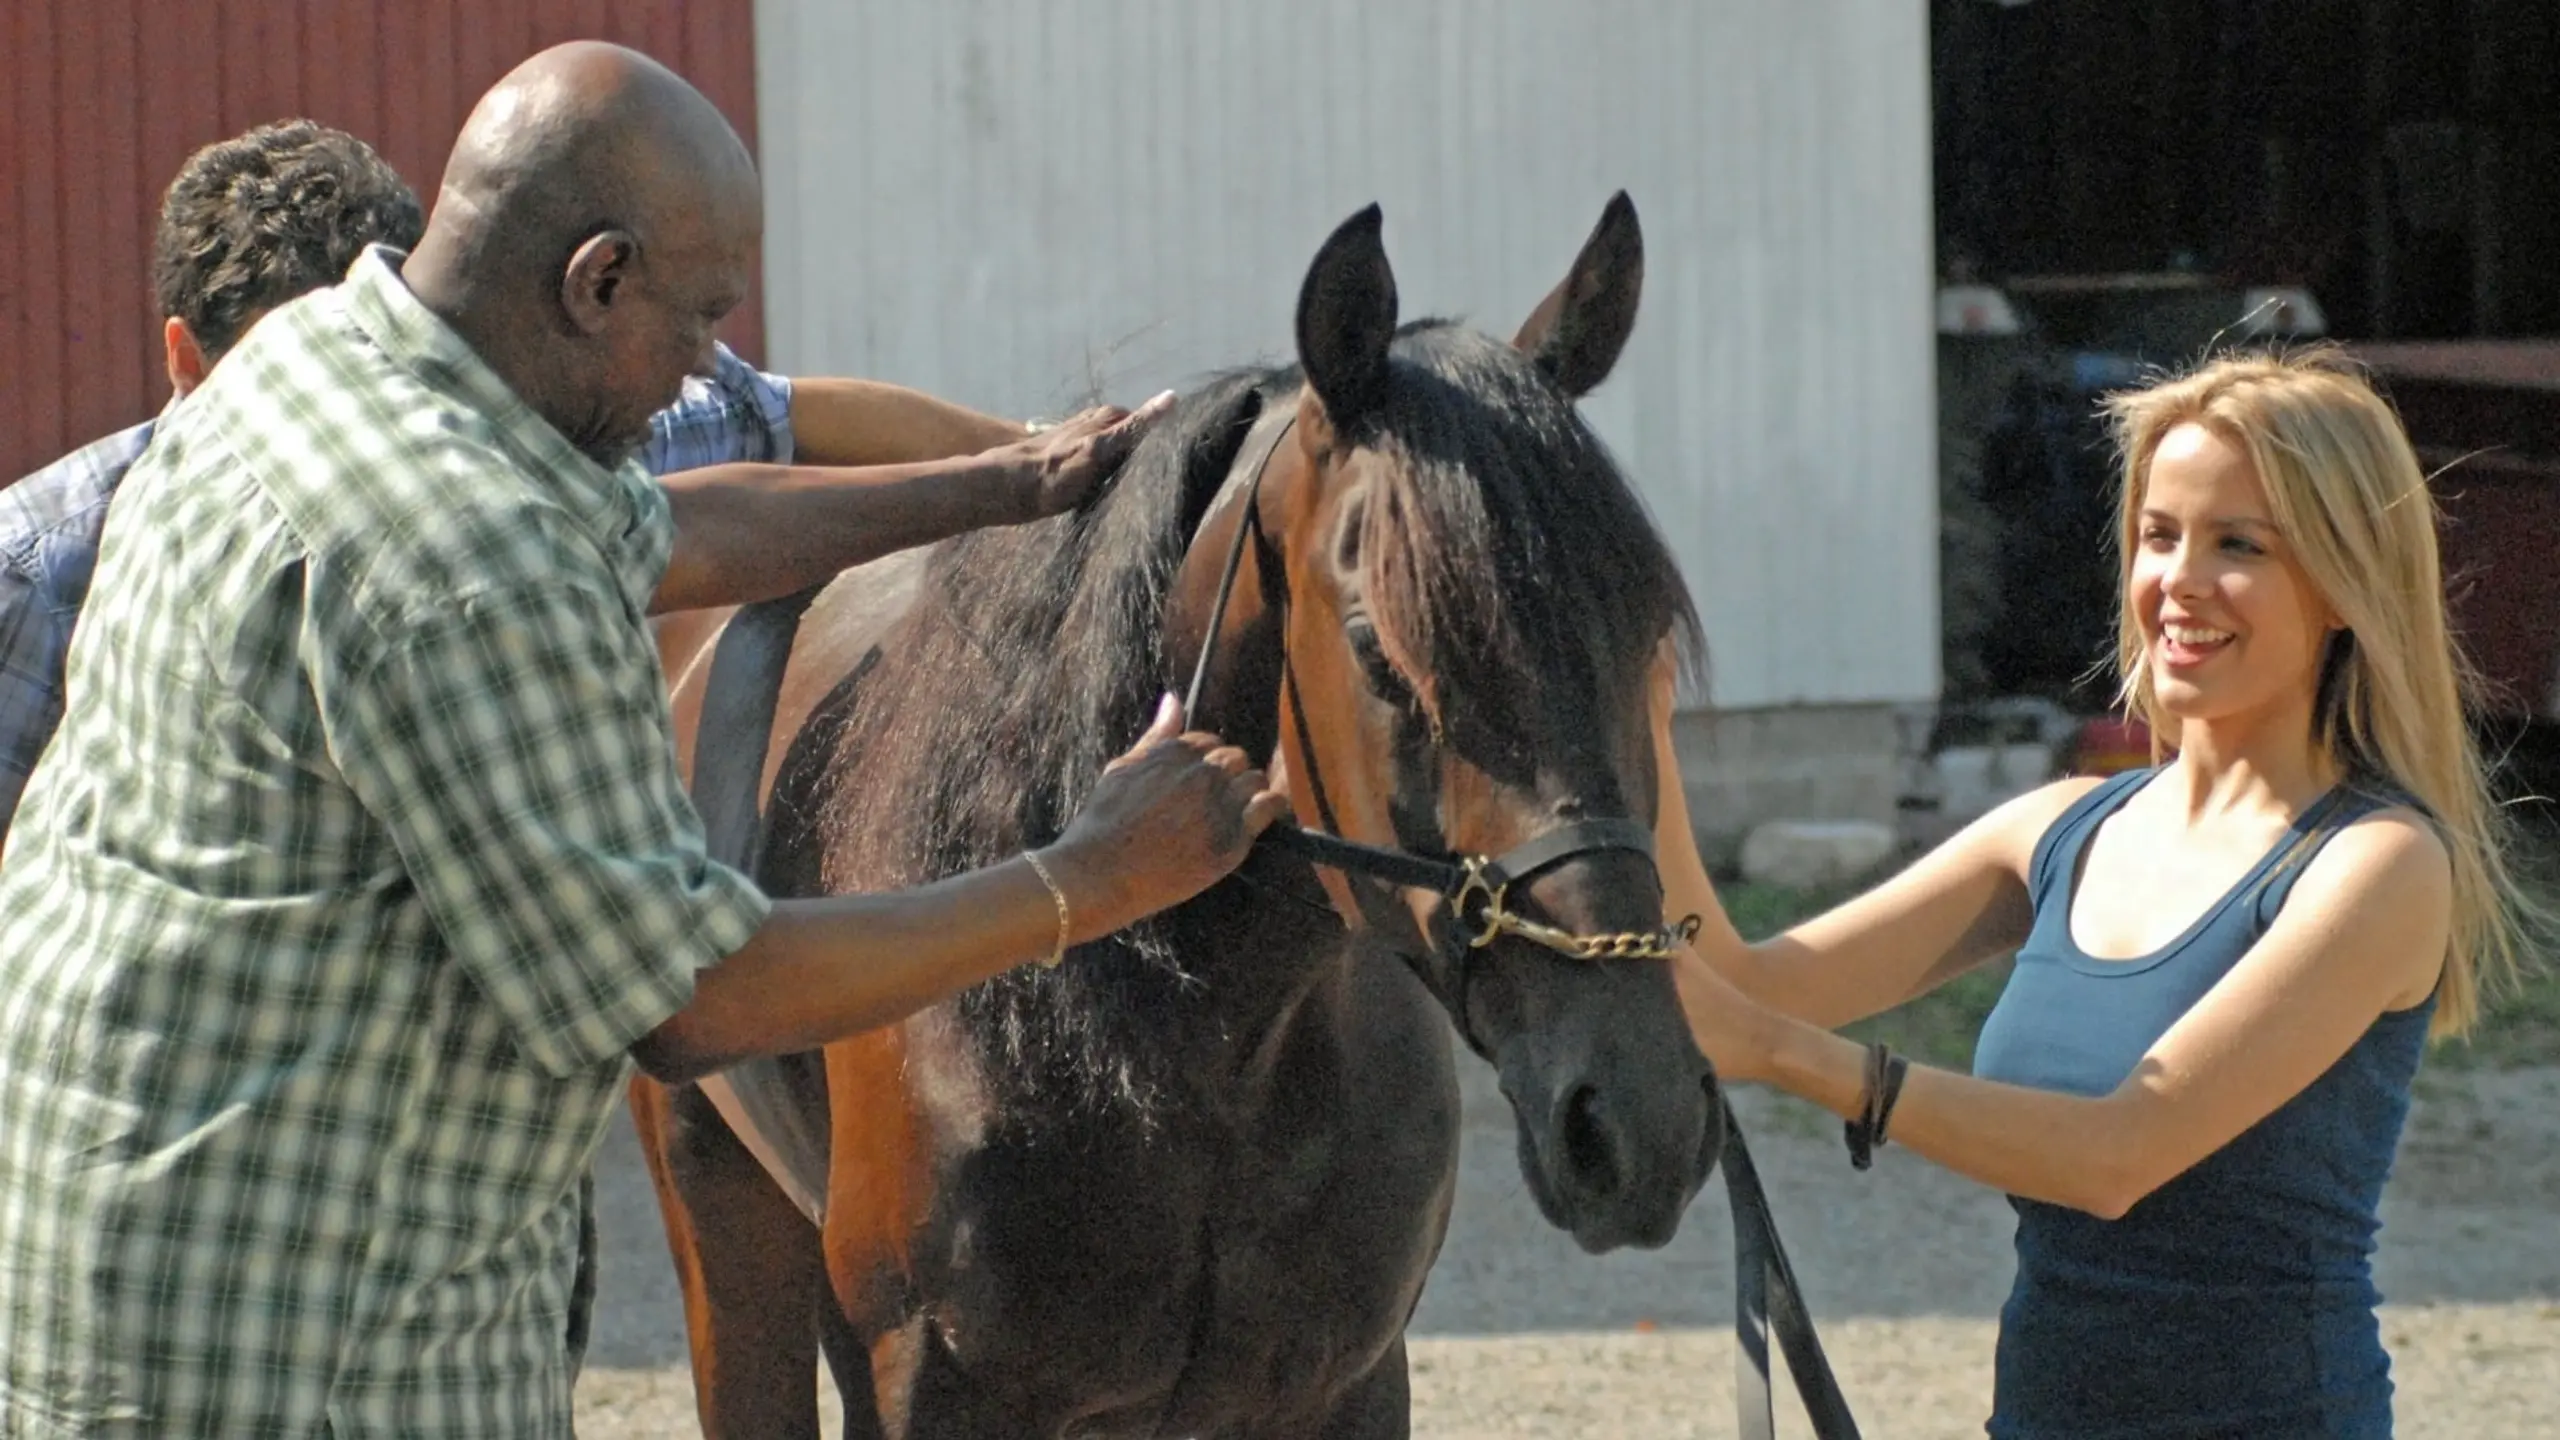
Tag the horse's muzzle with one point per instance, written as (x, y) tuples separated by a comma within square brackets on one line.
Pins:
[(1614, 1165)]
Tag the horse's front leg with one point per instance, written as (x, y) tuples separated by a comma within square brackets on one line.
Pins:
[(848, 1357), (750, 1266), (925, 1395), (1379, 1406)]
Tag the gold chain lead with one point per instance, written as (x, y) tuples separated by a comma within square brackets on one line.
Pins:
[(1498, 920)]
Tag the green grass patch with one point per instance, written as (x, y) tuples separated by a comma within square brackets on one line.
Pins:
[(1760, 911), (2519, 1029), (2522, 1026)]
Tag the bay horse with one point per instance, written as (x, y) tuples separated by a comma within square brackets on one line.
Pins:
[(1192, 1181)]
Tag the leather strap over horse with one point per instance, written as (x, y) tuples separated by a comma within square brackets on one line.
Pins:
[(757, 1097)]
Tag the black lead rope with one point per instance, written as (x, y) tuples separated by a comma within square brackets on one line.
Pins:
[(1766, 1297), (1393, 866)]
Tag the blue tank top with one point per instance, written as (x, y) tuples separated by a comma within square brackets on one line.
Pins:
[(2238, 1298)]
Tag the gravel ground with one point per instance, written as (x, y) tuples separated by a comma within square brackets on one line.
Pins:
[(1522, 1335)]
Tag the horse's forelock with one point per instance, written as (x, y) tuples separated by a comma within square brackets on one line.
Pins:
[(1506, 557)]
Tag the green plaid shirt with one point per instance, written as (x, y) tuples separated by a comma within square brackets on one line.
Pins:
[(359, 862)]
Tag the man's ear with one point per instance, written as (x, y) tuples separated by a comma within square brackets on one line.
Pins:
[(187, 365), (593, 282)]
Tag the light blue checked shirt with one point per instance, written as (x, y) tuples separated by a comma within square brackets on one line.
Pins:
[(740, 415), (50, 523)]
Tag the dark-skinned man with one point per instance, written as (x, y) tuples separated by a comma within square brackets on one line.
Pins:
[(358, 873)]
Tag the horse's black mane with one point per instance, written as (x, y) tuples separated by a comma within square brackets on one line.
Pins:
[(1511, 570)]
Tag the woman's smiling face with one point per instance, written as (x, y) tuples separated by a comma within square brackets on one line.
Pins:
[(2230, 624)]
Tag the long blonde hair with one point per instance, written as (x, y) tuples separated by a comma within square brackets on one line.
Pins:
[(2347, 493)]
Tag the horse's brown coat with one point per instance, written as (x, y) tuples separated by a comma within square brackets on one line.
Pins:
[(1239, 1254)]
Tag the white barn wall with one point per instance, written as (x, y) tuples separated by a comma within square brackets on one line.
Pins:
[(1015, 203)]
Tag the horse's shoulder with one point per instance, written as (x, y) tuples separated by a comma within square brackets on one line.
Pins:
[(883, 1144)]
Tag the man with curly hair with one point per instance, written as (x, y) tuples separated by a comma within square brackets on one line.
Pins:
[(249, 223), (284, 209)]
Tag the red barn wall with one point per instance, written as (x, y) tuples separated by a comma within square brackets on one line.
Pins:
[(102, 100)]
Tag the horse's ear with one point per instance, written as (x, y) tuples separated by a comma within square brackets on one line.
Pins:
[(1575, 334), (1346, 318)]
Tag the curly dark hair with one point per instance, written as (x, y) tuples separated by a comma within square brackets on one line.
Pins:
[(258, 219)]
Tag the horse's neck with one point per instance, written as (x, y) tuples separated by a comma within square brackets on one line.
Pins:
[(1249, 953), (1155, 1047), (1278, 943)]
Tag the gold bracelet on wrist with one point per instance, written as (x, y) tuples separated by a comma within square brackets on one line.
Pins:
[(1059, 951)]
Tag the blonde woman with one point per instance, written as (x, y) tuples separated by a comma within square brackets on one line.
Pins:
[(2228, 963)]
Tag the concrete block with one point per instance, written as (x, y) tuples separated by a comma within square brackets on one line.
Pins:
[(1976, 779), (1742, 768), (1811, 854)]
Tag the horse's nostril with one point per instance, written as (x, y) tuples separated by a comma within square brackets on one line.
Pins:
[(1591, 1150)]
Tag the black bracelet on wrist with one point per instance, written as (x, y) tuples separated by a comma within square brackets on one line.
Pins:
[(1876, 1097)]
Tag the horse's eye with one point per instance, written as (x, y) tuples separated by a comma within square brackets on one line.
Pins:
[(1384, 682)]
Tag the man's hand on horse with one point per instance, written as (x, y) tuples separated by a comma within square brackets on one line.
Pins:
[(1167, 820), (1065, 465)]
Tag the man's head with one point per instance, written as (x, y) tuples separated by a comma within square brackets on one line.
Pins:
[(598, 218), (253, 221)]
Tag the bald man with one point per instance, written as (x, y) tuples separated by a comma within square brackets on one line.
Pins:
[(255, 220), (358, 875)]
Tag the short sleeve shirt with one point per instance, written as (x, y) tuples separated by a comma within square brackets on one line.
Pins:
[(735, 413), (49, 524), (322, 946)]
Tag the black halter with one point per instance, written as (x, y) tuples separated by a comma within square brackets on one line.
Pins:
[(1765, 1290)]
